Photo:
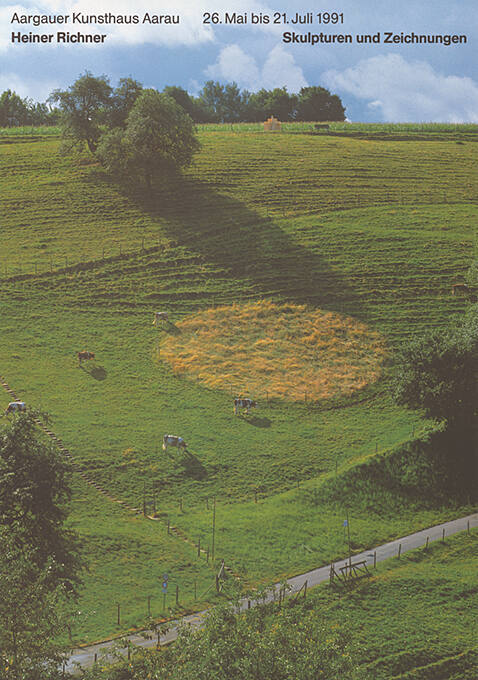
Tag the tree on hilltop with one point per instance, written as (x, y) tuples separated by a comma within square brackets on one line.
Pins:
[(84, 107), (193, 107), (122, 101), (159, 139), (316, 103)]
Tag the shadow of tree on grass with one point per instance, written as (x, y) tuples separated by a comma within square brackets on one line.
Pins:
[(225, 232)]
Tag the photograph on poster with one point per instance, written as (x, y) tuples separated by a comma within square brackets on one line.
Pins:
[(238, 340)]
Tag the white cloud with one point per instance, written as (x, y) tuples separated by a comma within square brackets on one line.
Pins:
[(234, 64), (33, 88), (399, 90), (279, 69)]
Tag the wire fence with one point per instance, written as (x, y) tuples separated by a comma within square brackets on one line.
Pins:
[(52, 264)]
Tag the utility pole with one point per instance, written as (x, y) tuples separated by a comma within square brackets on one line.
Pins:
[(213, 527), (348, 534)]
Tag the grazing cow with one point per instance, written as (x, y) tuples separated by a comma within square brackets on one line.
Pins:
[(84, 356), (158, 317), (15, 406), (172, 440), (243, 403)]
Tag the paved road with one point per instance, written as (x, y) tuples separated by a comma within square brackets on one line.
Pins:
[(85, 657)]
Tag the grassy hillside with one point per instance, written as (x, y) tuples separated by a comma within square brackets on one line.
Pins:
[(375, 229), (413, 618)]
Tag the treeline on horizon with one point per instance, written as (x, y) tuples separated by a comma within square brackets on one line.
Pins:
[(215, 103)]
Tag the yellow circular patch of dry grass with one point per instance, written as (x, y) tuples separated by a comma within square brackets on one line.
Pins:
[(286, 351)]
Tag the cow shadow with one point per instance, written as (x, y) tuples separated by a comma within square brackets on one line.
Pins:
[(96, 372), (256, 421), (171, 329), (192, 466)]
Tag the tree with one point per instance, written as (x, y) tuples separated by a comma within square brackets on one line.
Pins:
[(159, 139), (211, 98), (316, 103), (122, 101), (33, 495), (32, 614), (439, 374), (14, 110), (84, 107), (293, 642), (39, 564), (277, 102)]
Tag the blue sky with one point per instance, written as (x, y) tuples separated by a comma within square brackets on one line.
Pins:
[(377, 82)]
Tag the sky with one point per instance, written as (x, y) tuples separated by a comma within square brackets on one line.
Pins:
[(377, 80)]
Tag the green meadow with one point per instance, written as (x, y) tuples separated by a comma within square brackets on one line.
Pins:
[(413, 618), (373, 228)]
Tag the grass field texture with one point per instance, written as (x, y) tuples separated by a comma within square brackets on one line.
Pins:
[(414, 618), (373, 229)]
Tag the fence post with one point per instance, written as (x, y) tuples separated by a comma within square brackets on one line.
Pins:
[(305, 590), (375, 559), (443, 536), (168, 526), (426, 546), (207, 555), (399, 550), (468, 527), (199, 546)]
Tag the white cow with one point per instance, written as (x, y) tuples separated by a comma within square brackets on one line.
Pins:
[(239, 402), (173, 440), (15, 406), (158, 317)]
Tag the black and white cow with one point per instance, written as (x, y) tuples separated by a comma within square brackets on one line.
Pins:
[(15, 406), (246, 404), (159, 317), (173, 440)]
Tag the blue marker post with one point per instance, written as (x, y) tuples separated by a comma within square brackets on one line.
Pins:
[(165, 590)]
